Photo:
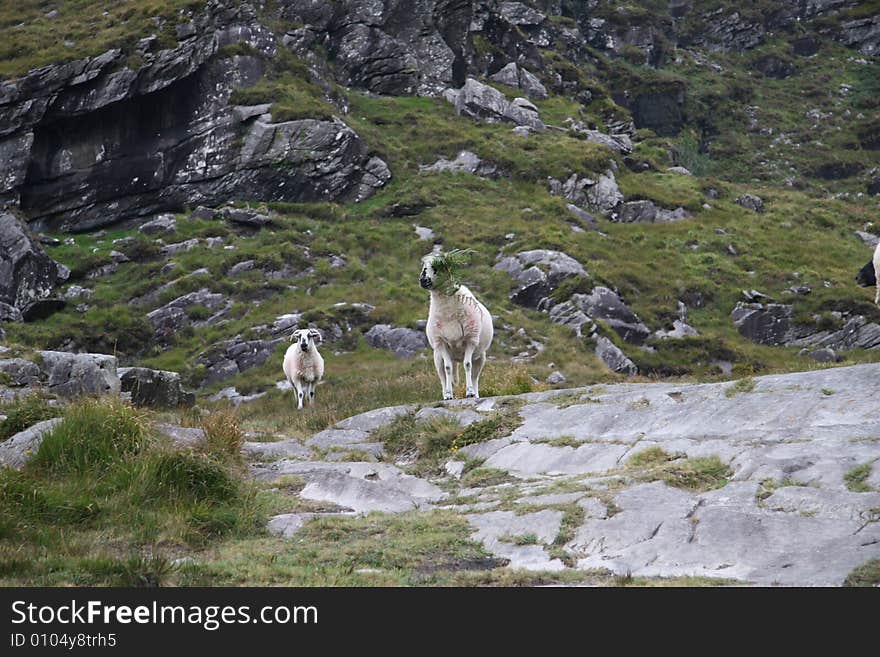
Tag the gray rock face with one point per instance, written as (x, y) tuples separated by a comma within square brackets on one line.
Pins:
[(537, 273), (403, 342), (230, 357), (154, 388), (484, 103), (135, 142), (602, 194), (73, 375), (863, 33), (169, 319), (606, 305), (610, 354), (646, 212), (27, 275), (20, 372), (163, 224), (765, 324), (751, 202), (388, 46), (16, 450), (519, 78)]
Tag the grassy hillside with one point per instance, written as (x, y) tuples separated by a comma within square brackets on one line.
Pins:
[(806, 144)]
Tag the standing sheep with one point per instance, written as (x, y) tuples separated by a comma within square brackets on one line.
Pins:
[(867, 275), (303, 365), (459, 326)]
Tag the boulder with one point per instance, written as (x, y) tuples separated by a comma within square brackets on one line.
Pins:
[(403, 342), (515, 76), (679, 330), (569, 314), (750, 202), (164, 224), (647, 212), (537, 273), (17, 450), (231, 357), (20, 372), (245, 217), (27, 274), (602, 303), (74, 375), (763, 323), (465, 161), (154, 388), (484, 103), (610, 354)]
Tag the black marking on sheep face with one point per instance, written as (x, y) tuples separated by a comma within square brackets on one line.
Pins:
[(867, 277), (426, 277)]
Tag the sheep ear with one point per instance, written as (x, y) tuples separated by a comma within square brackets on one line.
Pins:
[(316, 334), (293, 334)]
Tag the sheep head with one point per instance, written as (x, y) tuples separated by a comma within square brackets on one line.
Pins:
[(306, 337), (440, 270)]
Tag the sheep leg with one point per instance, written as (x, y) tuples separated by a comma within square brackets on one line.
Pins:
[(298, 389), (310, 392), (470, 390), (877, 293), (446, 379), (441, 370), (479, 364)]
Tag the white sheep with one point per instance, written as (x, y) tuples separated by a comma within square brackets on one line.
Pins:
[(459, 326), (303, 365)]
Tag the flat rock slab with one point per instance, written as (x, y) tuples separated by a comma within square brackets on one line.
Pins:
[(290, 449), (499, 530), (805, 539), (360, 486)]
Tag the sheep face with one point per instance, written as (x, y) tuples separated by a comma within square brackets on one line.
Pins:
[(306, 337), (867, 277)]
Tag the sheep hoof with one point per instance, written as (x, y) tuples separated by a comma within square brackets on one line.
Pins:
[(447, 397), (470, 395)]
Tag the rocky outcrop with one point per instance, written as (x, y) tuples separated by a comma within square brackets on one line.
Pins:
[(198, 308), (773, 324), (64, 374), (154, 388), (387, 46), (537, 273), (403, 342), (519, 78), (230, 357), (600, 194), (484, 103), (93, 141), (645, 212), (610, 354), (465, 162), (750, 202), (606, 305), (27, 275)]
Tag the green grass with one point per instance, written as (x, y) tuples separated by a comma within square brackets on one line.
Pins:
[(868, 574), (856, 479), (23, 413), (104, 502), (695, 474), (81, 28), (740, 387)]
